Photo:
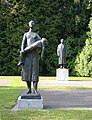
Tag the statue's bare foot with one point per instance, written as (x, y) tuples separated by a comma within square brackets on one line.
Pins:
[(20, 63), (36, 92), (61, 67), (29, 91)]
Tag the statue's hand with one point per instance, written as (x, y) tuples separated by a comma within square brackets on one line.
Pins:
[(22, 52), (44, 40)]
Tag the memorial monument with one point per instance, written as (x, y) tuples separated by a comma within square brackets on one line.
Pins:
[(30, 68), (62, 72)]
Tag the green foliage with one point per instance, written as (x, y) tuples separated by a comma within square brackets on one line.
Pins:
[(74, 46), (54, 20), (83, 61)]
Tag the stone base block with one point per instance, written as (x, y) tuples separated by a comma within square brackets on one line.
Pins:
[(62, 74), (29, 103)]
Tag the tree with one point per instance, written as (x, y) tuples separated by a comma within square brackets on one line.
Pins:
[(84, 59)]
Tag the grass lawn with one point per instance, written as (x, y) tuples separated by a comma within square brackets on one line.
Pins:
[(44, 78), (9, 95)]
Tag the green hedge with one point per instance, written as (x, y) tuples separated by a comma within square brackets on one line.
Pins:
[(54, 20)]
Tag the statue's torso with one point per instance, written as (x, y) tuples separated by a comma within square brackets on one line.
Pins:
[(31, 63)]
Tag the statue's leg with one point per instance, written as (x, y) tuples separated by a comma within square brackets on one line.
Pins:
[(29, 87), (61, 65), (35, 84)]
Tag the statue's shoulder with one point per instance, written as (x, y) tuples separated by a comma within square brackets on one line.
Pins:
[(59, 45), (34, 33), (25, 34)]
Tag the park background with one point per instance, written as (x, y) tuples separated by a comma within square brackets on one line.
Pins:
[(67, 19)]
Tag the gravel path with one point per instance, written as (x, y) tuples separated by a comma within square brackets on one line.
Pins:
[(55, 83), (5, 82), (64, 83), (67, 99)]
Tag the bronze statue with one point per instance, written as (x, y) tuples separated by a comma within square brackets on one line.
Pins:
[(61, 52), (29, 57)]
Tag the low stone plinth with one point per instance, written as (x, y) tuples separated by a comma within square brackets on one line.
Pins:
[(62, 74), (29, 103)]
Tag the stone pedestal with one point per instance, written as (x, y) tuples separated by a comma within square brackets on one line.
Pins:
[(62, 74), (29, 103)]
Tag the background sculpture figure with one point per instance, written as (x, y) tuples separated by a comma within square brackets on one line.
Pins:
[(29, 57), (61, 52)]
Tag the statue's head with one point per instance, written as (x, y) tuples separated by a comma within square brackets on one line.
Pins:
[(31, 24), (62, 40)]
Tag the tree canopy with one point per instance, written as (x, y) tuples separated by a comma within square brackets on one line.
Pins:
[(54, 20)]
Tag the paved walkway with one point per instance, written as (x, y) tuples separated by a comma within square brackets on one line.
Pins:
[(55, 83), (65, 83), (5, 82)]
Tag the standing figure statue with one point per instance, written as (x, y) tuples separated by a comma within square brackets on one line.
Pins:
[(61, 52), (29, 57)]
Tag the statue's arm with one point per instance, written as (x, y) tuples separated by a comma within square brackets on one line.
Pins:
[(58, 51), (36, 44), (24, 42), (65, 51), (33, 46)]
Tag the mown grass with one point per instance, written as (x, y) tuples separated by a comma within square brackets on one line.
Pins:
[(47, 115), (45, 78)]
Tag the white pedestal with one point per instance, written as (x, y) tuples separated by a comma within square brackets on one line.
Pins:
[(29, 103), (62, 74)]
